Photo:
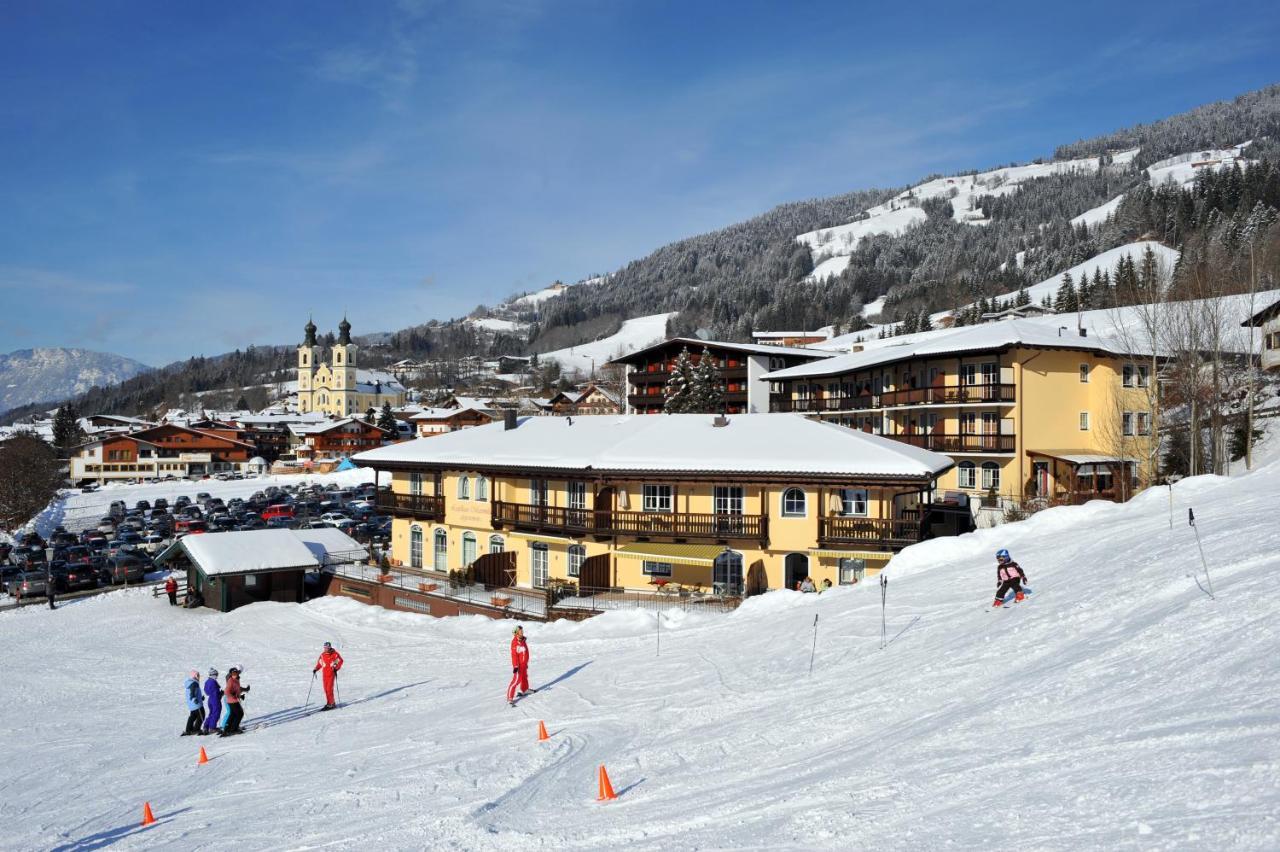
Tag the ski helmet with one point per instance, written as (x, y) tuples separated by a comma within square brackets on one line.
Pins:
[(232, 671), (213, 672), (1002, 554), (328, 645)]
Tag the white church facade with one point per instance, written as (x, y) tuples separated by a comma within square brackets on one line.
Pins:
[(338, 386)]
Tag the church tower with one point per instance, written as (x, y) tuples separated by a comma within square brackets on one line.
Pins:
[(344, 364), (309, 354)]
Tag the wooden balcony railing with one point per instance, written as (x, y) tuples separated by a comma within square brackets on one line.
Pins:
[(424, 506), (676, 525), (842, 530), (943, 442), (992, 394)]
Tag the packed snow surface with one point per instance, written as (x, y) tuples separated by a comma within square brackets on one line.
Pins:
[(495, 324), (1104, 262), (1182, 168), (635, 334), (1098, 215), (1119, 707)]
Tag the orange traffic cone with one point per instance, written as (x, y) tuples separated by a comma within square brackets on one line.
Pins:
[(606, 789), (204, 758), (147, 816), (542, 732)]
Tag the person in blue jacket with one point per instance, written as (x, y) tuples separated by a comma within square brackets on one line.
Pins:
[(195, 714), (212, 695)]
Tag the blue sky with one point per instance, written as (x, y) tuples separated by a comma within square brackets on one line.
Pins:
[(183, 178)]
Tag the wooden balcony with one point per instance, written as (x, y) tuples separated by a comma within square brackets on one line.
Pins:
[(944, 442), (667, 525), (988, 394), (427, 507), (868, 532)]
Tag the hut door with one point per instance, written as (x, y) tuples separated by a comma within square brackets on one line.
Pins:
[(603, 513), (797, 566)]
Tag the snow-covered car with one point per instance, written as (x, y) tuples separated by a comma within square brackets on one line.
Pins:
[(333, 517), (152, 544)]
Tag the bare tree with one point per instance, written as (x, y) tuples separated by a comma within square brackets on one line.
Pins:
[(30, 475)]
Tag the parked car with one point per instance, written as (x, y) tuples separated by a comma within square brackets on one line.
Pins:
[(278, 523), (127, 568), (346, 525), (186, 526), (152, 544), (334, 517), (107, 525), (77, 554), (29, 584), (89, 488), (7, 575), (279, 510), (73, 578)]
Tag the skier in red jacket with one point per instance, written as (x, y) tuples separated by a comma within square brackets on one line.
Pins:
[(519, 666), (329, 662)]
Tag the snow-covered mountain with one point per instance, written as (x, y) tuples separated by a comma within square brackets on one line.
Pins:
[(37, 375)]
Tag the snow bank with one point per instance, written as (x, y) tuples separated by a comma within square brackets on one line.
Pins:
[(1119, 707)]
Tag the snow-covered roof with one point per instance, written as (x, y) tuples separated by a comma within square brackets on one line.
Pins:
[(750, 443), (369, 381), (330, 543), (327, 426), (249, 551), (446, 413), (696, 345), (282, 418), (954, 341)]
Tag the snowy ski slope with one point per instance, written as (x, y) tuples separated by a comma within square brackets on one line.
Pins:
[(635, 334), (1118, 708)]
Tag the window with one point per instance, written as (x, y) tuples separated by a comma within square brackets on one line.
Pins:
[(539, 560), (577, 495), (415, 483), (464, 488), (852, 571), (482, 489), (1129, 375), (657, 498), (415, 546), (1126, 423), (1084, 373), (1084, 421), (990, 476), (577, 555), (496, 544), (1144, 374), (251, 579), (966, 473), (440, 558), (656, 569), (1144, 423), (853, 501), (538, 492), (793, 503), (728, 500), (468, 549), (726, 573)]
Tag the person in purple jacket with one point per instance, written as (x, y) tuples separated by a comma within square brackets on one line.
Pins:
[(212, 694)]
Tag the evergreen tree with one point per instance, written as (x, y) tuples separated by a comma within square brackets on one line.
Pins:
[(370, 414), (1066, 299), (924, 323), (66, 429), (1023, 298), (679, 389), (707, 393), (387, 420), (242, 404)]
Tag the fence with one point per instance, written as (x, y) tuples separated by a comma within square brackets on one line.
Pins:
[(578, 602), (531, 603)]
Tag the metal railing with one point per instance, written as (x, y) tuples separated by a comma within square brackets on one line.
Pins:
[(951, 442), (561, 519), (531, 603), (589, 601)]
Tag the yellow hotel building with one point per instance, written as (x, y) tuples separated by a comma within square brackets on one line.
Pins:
[(1025, 409), (744, 503)]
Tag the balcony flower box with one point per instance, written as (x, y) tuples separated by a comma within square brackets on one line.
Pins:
[(385, 578), (427, 587), (499, 601)]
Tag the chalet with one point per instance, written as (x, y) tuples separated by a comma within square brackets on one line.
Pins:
[(741, 367), (167, 450), (627, 502), (1268, 320), (591, 399), (431, 422), (337, 438), (789, 338)]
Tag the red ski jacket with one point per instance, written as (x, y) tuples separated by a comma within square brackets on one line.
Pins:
[(519, 651), (329, 660), (170, 586), (232, 689)]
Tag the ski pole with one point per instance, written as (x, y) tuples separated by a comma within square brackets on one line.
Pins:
[(659, 651), (1191, 519), (309, 688), (815, 642), (884, 591)]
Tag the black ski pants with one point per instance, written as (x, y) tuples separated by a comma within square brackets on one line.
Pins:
[(173, 598), (234, 715), (1014, 584), (195, 719)]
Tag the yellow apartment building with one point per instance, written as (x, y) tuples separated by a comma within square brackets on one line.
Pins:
[(718, 504), (1024, 409)]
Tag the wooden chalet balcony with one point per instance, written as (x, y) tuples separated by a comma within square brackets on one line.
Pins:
[(943, 442), (675, 525), (868, 532), (428, 507), (640, 400), (990, 394)]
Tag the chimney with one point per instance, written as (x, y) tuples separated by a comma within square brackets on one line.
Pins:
[(720, 422), (509, 419), (1084, 332)]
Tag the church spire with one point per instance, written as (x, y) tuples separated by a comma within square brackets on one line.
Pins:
[(310, 329), (344, 331)]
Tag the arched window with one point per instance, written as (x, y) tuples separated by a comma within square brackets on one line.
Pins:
[(468, 549), (464, 488), (965, 473), (415, 546), (793, 503), (496, 544), (577, 555), (482, 488), (440, 556), (726, 573), (990, 476)]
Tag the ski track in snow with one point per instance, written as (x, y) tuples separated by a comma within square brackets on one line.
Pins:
[(1118, 707)]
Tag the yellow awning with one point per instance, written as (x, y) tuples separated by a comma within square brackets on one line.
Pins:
[(545, 539), (697, 555), (849, 554)]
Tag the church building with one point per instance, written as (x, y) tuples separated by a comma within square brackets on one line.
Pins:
[(337, 386)]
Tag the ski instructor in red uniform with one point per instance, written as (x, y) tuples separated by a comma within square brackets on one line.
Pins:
[(330, 661), (519, 666)]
